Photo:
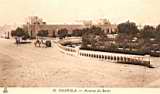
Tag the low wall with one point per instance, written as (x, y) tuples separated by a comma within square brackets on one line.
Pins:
[(70, 39), (67, 50), (112, 57)]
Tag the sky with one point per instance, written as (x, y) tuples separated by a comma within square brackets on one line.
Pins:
[(70, 11)]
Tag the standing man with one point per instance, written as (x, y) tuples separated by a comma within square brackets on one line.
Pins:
[(16, 40)]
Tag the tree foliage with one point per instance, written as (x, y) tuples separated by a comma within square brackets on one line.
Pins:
[(158, 28), (20, 33), (129, 39), (43, 33), (77, 32), (62, 33), (148, 32), (127, 27), (53, 33), (91, 37)]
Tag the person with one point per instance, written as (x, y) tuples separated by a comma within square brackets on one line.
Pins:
[(17, 40)]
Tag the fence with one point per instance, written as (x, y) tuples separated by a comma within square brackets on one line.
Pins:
[(112, 57)]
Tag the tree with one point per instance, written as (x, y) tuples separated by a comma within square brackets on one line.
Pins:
[(53, 33), (128, 27), (158, 33), (148, 28), (148, 32), (93, 38), (62, 33), (43, 33), (20, 33), (77, 32), (158, 28)]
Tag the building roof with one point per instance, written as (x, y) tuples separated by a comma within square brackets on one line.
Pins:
[(54, 27)]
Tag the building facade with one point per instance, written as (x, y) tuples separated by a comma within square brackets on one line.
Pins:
[(35, 24)]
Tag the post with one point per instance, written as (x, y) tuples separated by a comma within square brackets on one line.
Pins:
[(77, 51), (147, 60)]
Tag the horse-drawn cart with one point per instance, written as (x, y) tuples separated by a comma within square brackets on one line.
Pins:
[(43, 43)]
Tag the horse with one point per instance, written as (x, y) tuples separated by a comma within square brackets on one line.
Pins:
[(37, 42), (43, 42)]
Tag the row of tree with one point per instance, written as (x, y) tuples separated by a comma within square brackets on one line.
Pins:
[(146, 32), (20, 33), (129, 28), (62, 33), (129, 39)]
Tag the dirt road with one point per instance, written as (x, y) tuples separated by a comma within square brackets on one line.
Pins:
[(28, 66)]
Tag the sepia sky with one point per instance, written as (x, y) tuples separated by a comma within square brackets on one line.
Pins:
[(64, 11)]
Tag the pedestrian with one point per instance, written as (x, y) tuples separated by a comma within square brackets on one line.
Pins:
[(19, 38), (16, 40)]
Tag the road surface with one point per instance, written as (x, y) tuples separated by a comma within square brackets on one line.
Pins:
[(29, 66)]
